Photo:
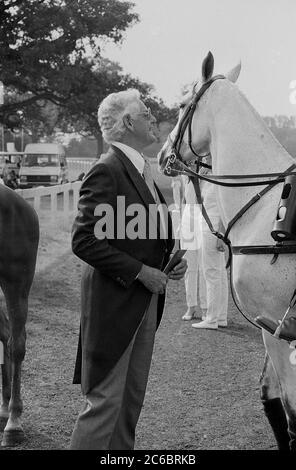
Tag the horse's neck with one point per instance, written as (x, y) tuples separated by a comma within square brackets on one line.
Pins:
[(241, 144)]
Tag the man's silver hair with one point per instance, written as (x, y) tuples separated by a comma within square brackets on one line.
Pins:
[(113, 108)]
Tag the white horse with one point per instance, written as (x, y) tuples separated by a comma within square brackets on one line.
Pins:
[(225, 124)]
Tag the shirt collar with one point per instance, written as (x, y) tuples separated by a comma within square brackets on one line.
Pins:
[(133, 155)]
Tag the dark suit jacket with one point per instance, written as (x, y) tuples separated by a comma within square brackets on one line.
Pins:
[(112, 301)]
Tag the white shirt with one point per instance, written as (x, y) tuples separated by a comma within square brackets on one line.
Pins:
[(191, 221), (139, 162), (133, 155)]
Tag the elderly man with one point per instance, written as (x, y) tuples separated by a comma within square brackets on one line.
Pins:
[(123, 286)]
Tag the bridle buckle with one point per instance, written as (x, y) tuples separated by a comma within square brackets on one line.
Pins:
[(172, 158)]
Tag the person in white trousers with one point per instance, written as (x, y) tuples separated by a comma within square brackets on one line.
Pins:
[(213, 262), (189, 232)]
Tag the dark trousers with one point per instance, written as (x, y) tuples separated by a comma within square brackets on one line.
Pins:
[(112, 408)]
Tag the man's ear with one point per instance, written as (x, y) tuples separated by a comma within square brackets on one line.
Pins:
[(127, 121)]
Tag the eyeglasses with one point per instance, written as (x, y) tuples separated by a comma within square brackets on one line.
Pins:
[(147, 113)]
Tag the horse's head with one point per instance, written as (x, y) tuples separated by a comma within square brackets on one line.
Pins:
[(182, 143)]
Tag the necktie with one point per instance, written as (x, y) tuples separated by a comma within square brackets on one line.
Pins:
[(147, 174)]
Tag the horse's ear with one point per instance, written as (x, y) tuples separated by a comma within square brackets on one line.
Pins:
[(207, 67), (233, 74)]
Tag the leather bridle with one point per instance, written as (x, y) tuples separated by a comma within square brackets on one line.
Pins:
[(186, 121), (175, 166)]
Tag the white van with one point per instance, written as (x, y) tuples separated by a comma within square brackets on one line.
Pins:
[(43, 165)]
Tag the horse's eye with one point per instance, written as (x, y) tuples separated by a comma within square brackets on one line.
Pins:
[(181, 106)]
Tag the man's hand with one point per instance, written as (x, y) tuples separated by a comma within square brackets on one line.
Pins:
[(153, 279), (179, 270)]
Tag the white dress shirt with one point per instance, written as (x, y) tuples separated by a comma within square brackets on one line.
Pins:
[(139, 162), (133, 155)]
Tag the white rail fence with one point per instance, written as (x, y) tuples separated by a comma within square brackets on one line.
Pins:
[(59, 199), (54, 200)]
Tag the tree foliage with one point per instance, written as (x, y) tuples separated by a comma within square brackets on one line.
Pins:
[(52, 68), (107, 77), (48, 48), (284, 129)]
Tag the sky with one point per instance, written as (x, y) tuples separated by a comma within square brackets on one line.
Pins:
[(167, 46)]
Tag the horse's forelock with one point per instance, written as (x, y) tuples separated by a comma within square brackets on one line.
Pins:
[(188, 93)]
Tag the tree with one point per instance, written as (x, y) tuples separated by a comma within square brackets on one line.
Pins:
[(50, 63), (83, 147), (48, 48), (81, 113), (284, 129)]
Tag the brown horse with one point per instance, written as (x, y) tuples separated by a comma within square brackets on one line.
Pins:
[(19, 237)]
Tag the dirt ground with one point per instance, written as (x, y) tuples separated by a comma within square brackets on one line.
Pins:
[(203, 390)]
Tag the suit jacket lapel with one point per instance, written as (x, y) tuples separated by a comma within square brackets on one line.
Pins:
[(135, 177), (141, 187)]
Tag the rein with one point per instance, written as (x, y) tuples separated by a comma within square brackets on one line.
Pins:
[(175, 166), (267, 249)]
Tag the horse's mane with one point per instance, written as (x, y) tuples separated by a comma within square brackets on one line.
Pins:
[(229, 92)]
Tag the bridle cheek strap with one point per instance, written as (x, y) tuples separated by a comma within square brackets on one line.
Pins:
[(186, 121)]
